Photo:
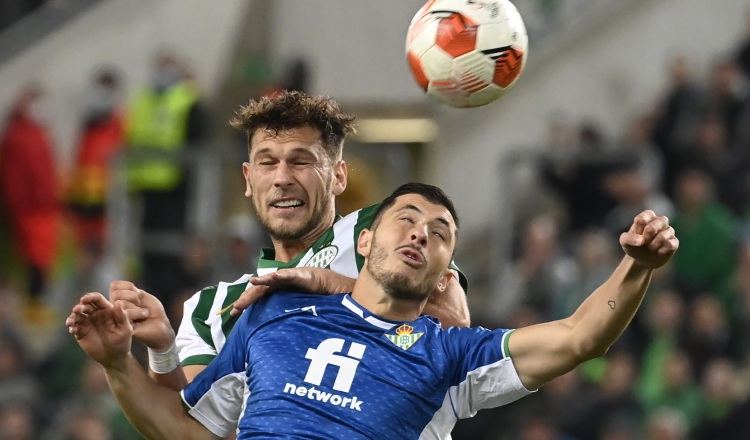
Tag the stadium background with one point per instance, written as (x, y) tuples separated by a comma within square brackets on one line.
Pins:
[(620, 102)]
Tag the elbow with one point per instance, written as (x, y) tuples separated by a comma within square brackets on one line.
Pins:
[(589, 349)]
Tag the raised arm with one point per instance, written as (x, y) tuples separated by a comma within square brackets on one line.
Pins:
[(152, 328), (545, 351), (104, 332)]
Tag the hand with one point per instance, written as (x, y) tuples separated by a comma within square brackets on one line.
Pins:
[(650, 241), (306, 279), (102, 329), (146, 313)]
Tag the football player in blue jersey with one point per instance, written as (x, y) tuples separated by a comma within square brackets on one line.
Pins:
[(294, 172), (368, 364)]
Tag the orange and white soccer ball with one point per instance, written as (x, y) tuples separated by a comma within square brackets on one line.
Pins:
[(466, 53)]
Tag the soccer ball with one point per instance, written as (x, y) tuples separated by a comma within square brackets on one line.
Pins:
[(466, 53)]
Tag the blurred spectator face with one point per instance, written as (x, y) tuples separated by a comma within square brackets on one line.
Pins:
[(537, 428), (563, 386), (11, 358), (197, 255), (16, 423), (539, 241), (88, 425), (693, 189), (167, 72), (628, 187), (667, 424), (677, 370), (618, 378), (707, 316), (712, 135), (725, 77), (665, 312), (719, 381), (593, 250), (104, 95)]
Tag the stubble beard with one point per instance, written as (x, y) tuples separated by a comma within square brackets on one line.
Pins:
[(285, 232), (397, 286)]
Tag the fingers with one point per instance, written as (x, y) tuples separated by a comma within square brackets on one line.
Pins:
[(125, 291), (135, 313), (268, 279), (641, 220), (90, 302), (664, 242), (119, 315), (648, 226), (248, 297)]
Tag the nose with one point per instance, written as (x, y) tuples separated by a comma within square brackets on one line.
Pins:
[(419, 235), (282, 175)]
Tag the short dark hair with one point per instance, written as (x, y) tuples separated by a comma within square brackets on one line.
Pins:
[(432, 193), (293, 109)]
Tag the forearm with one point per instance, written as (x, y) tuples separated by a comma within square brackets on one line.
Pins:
[(139, 396), (175, 380), (604, 315)]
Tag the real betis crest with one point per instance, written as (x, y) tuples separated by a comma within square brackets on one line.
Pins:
[(404, 338)]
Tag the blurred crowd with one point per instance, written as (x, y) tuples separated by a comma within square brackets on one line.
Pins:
[(56, 237), (680, 372)]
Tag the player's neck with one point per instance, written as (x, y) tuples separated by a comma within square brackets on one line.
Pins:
[(370, 294)]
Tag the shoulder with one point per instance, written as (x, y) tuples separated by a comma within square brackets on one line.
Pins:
[(211, 297)]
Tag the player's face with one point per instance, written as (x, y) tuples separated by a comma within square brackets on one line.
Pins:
[(411, 247), (292, 183)]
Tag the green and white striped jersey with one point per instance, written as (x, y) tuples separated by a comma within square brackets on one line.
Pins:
[(206, 320)]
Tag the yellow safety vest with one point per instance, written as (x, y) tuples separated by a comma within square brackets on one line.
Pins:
[(158, 122)]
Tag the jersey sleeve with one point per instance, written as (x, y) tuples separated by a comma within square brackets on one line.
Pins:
[(484, 375), (215, 397), (194, 343)]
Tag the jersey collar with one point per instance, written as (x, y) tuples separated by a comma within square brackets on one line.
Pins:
[(363, 313), (268, 255)]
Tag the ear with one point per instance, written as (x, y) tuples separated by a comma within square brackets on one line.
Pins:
[(339, 177), (246, 173), (363, 242), (445, 280)]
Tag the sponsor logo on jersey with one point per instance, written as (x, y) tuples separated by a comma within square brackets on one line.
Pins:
[(320, 358), (323, 258), (404, 338)]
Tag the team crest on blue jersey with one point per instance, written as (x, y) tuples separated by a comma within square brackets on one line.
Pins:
[(404, 338), (323, 258)]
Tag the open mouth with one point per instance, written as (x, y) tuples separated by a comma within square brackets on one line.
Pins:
[(412, 257), (288, 204)]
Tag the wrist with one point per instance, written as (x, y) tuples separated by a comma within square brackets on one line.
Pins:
[(163, 361), (118, 365)]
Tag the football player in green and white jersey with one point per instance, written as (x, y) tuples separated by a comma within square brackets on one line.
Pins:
[(295, 171)]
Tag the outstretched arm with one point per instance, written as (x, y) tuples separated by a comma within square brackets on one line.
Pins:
[(104, 332), (545, 351)]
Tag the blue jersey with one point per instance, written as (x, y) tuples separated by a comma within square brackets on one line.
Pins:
[(322, 367)]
